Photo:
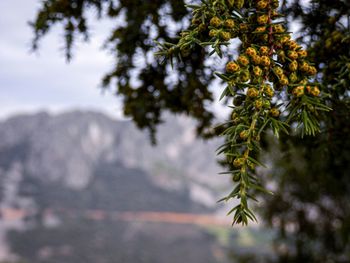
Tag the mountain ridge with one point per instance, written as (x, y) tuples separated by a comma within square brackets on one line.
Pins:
[(177, 160), (56, 167)]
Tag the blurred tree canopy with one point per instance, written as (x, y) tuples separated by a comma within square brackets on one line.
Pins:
[(310, 176), (311, 205), (146, 87)]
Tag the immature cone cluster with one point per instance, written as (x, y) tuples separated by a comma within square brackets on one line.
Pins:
[(222, 29), (270, 68), (270, 64)]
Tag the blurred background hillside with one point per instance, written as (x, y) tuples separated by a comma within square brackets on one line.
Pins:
[(81, 187)]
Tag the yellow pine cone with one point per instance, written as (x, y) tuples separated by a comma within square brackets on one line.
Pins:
[(274, 13), (298, 91), (265, 61), (256, 60), (243, 60), (262, 4), (229, 23), (291, 44), (215, 21), (293, 66), (274, 112), (258, 104), (314, 91), (303, 82), (244, 76), (213, 33), (264, 50), (293, 55), (302, 53), (232, 67), (257, 71), (262, 19), (226, 36), (311, 70), (293, 77), (250, 51), (281, 55), (252, 93), (268, 90), (278, 70), (284, 80), (304, 66), (239, 3), (278, 28), (285, 39)]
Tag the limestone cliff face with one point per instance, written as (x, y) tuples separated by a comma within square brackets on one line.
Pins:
[(65, 149), (54, 169)]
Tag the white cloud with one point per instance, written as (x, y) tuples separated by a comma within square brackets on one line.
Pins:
[(30, 82)]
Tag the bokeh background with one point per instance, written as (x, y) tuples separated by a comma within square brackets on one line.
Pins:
[(81, 183)]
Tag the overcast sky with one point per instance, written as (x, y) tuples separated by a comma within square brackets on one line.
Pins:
[(31, 82), (36, 81)]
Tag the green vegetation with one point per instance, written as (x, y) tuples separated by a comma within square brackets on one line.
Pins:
[(309, 208)]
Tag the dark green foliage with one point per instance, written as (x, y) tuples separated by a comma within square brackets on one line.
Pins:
[(310, 175), (272, 83), (145, 99), (311, 205)]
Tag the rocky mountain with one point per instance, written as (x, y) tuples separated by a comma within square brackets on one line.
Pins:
[(69, 182), (66, 148)]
